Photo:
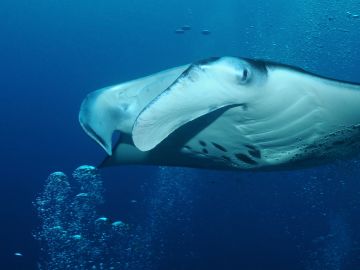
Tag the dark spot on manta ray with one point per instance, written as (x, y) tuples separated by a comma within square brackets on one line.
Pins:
[(250, 146), (255, 153), (205, 151), (245, 159), (202, 143), (220, 147)]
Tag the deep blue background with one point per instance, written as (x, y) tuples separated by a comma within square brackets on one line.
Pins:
[(52, 53)]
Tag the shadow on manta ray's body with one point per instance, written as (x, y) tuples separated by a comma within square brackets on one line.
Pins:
[(226, 113)]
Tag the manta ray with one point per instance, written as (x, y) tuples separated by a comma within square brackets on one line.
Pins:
[(226, 113)]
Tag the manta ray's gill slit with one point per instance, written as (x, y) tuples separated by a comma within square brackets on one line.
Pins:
[(305, 137), (289, 129), (202, 143), (255, 153), (205, 151), (244, 158), (271, 118)]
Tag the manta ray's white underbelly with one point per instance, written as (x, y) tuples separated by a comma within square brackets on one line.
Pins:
[(298, 131)]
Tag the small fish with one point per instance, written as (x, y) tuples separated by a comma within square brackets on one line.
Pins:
[(342, 30), (179, 31), (205, 32), (186, 27), (18, 254)]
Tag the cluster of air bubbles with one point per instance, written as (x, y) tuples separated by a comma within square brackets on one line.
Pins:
[(71, 233), (170, 206), (330, 251), (329, 195)]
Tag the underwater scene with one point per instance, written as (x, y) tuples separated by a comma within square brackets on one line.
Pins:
[(173, 135)]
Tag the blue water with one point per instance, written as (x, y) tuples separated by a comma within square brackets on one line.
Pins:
[(52, 53)]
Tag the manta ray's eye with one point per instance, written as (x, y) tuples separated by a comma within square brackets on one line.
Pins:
[(243, 77)]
